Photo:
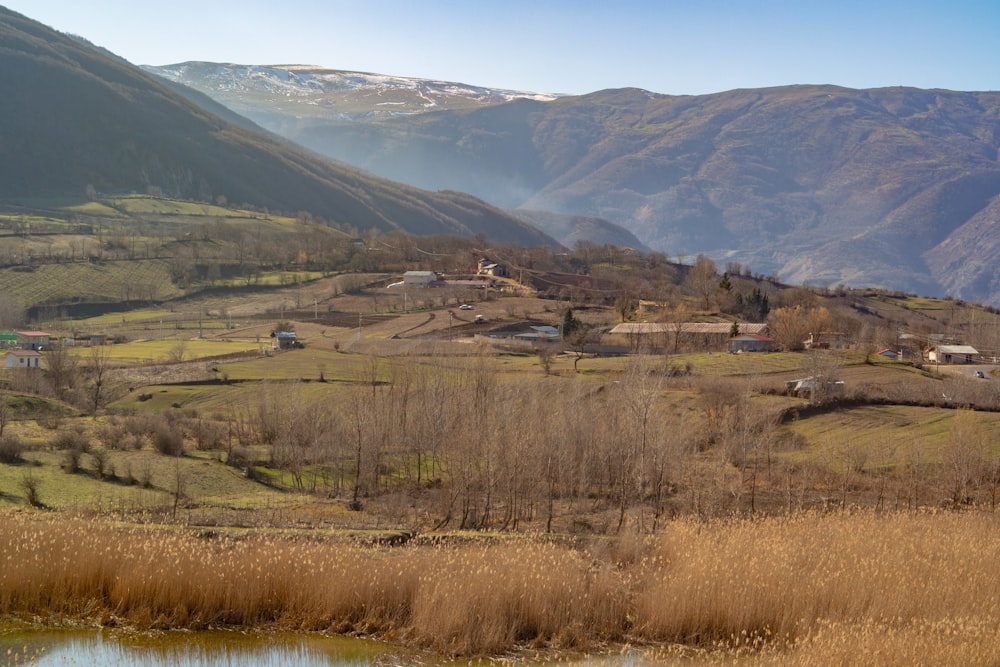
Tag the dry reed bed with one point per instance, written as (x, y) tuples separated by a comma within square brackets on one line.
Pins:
[(839, 586)]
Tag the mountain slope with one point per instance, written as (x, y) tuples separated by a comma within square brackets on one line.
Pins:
[(892, 187), (73, 117)]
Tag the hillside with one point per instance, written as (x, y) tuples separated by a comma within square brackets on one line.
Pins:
[(78, 120), (892, 187)]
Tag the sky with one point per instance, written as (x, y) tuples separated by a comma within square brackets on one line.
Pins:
[(677, 47)]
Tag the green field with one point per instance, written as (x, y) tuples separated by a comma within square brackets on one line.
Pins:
[(93, 282)]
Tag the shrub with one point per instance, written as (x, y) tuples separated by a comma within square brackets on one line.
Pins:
[(208, 434), (145, 478), (113, 435), (168, 440), (29, 486), (71, 460), (74, 440), (102, 464), (11, 449), (49, 421)]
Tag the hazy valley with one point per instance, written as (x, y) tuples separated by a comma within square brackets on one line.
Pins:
[(894, 188)]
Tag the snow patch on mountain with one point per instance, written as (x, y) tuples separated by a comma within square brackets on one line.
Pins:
[(311, 81)]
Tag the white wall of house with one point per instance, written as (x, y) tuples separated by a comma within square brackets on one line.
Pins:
[(23, 361)]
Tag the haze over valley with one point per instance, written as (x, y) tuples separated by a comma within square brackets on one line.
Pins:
[(895, 188)]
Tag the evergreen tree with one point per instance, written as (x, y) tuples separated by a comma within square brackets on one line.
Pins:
[(569, 323), (753, 307)]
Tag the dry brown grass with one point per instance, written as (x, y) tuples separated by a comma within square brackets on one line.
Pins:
[(489, 598), (829, 589), (812, 589), (471, 600)]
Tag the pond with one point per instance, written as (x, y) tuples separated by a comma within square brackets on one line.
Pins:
[(107, 647), (87, 648)]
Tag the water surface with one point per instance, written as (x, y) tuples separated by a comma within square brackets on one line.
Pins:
[(124, 648)]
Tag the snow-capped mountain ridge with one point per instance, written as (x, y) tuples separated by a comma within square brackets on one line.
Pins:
[(313, 85)]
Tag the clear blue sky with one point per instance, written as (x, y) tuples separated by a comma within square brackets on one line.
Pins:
[(568, 46)]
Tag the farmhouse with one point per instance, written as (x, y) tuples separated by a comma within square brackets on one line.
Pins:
[(750, 343), (490, 268), (23, 359), (952, 354), (32, 340), (543, 333), (284, 340), (826, 340)]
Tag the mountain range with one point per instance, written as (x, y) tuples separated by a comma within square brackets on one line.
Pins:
[(76, 119), (895, 187)]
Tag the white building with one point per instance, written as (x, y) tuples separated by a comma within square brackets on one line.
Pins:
[(23, 359), (420, 278), (952, 354)]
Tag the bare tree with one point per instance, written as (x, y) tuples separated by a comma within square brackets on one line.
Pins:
[(99, 366), (5, 411), (62, 370), (703, 279), (577, 342), (546, 355), (791, 325), (677, 326), (965, 456), (824, 368)]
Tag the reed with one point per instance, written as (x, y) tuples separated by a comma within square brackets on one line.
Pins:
[(810, 589), (783, 580)]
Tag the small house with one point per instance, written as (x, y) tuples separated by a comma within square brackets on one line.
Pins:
[(826, 340), (888, 354), (284, 340), (23, 359), (32, 340), (540, 334), (750, 343), (490, 268), (952, 354)]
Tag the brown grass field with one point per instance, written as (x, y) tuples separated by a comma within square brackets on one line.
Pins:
[(814, 589)]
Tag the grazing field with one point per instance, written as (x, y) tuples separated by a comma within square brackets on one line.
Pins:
[(160, 351)]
